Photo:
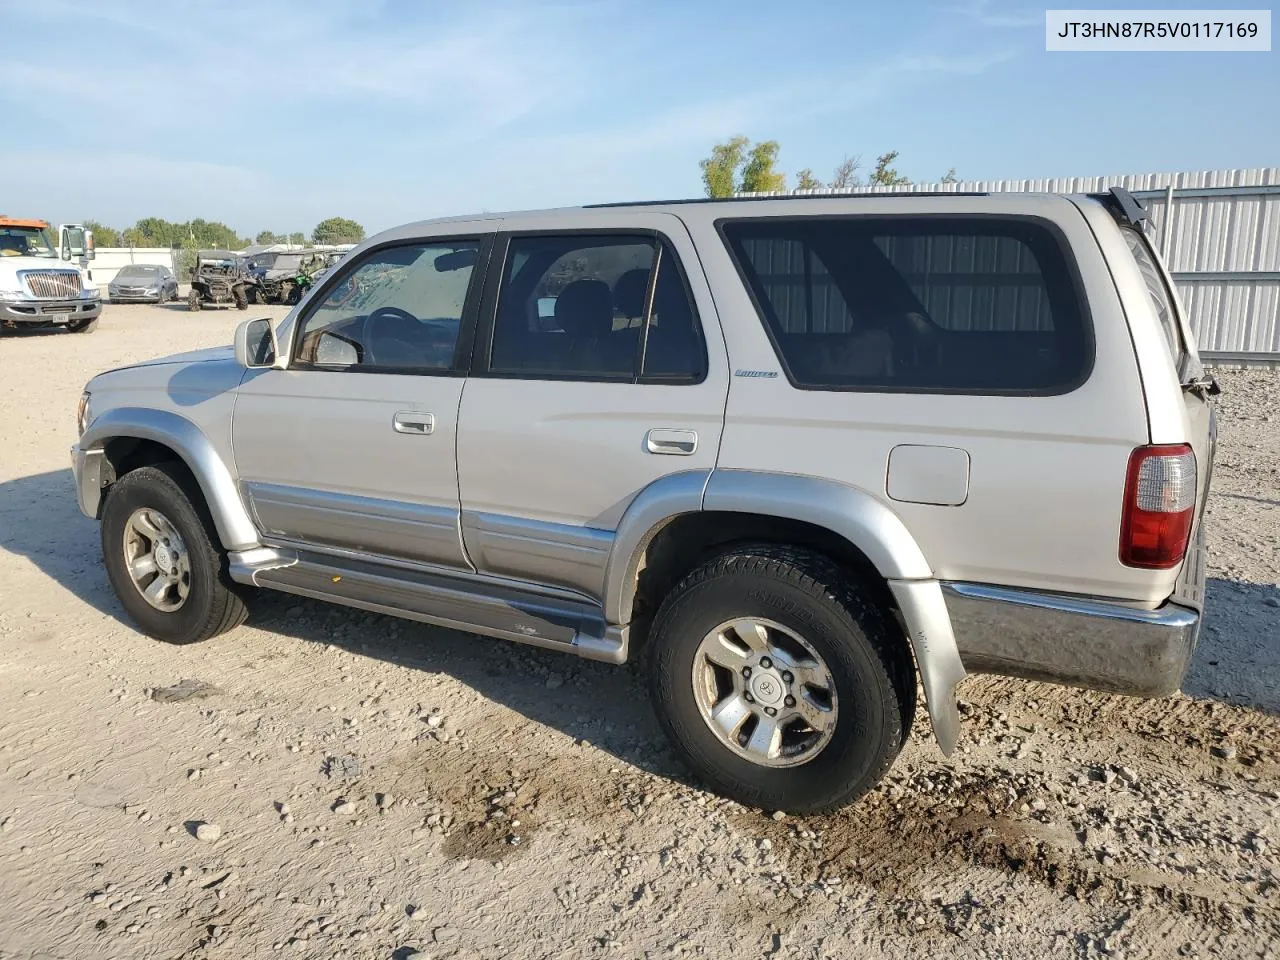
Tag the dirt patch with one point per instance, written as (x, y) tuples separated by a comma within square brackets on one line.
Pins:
[(184, 690)]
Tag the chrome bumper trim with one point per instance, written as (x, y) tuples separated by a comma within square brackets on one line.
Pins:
[(1072, 640)]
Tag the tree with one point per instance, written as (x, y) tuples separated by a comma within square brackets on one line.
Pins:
[(884, 175), (103, 236), (720, 170), (846, 174), (805, 180), (337, 230), (950, 176), (266, 238), (758, 175), (298, 238)]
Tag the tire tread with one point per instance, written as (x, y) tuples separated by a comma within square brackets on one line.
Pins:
[(827, 583)]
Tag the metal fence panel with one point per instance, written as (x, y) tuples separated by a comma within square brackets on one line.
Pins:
[(1220, 237)]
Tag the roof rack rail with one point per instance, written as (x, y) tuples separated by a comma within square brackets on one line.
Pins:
[(789, 196)]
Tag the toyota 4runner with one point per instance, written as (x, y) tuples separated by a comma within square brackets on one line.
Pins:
[(795, 452)]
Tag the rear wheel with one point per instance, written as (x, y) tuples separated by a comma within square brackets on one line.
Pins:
[(193, 300), (161, 559), (780, 683)]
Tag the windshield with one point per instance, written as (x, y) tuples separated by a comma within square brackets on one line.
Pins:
[(26, 242), (138, 272)]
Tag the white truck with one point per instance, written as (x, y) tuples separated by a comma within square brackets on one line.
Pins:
[(45, 285)]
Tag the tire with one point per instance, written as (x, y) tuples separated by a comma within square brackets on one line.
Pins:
[(86, 326), (252, 294), (240, 297), (801, 595), (193, 301), (212, 604)]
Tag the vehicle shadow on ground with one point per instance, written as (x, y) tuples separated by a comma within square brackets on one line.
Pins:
[(1237, 659), (604, 704), (38, 332)]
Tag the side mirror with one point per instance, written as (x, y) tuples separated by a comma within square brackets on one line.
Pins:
[(89, 252), (255, 343)]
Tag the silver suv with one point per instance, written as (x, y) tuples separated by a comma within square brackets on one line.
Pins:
[(795, 452)]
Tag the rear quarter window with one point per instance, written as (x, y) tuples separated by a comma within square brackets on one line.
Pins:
[(986, 305), (1161, 298)]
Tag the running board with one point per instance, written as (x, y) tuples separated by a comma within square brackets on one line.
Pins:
[(473, 605)]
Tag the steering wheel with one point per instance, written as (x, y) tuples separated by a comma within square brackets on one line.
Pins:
[(371, 326)]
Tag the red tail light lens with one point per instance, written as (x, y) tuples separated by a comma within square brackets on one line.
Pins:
[(1159, 503)]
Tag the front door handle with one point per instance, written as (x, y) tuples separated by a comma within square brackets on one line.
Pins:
[(413, 421), (679, 443)]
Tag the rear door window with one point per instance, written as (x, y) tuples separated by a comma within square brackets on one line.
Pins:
[(981, 305), (606, 307)]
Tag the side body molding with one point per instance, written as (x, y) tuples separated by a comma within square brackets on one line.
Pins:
[(235, 528)]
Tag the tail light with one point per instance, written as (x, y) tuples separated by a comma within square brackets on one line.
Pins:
[(1159, 503)]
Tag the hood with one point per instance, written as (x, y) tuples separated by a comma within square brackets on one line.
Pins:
[(227, 352), (144, 281), (208, 354), (9, 266)]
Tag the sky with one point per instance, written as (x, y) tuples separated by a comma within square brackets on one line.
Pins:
[(275, 115)]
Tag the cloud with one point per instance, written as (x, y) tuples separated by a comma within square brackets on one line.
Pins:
[(278, 114), (118, 188), (980, 12), (240, 67)]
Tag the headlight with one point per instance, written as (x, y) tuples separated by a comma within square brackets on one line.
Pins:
[(83, 414), (91, 294), (151, 290), (13, 294)]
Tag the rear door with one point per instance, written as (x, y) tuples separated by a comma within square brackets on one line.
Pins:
[(600, 369)]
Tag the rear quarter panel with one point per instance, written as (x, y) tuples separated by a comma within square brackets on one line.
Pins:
[(1046, 473)]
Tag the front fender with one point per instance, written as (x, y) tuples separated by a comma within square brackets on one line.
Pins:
[(235, 528)]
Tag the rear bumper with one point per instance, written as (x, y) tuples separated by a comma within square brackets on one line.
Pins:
[(1072, 640)]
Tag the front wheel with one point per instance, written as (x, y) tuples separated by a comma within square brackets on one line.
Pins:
[(240, 297), (193, 301), (84, 326), (778, 682), (161, 559)]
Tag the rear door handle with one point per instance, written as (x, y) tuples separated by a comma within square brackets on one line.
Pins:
[(414, 422), (679, 443)]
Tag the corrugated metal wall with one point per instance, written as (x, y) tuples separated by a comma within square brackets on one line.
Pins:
[(1220, 237)]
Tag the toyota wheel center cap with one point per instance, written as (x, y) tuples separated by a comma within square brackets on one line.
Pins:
[(767, 689)]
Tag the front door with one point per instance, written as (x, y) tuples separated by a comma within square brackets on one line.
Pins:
[(600, 371), (352, 446)]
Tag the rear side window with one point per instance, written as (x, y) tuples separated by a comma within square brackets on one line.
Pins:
[(928, 304), (1161, 299)]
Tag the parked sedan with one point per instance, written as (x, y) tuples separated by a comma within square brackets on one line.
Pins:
[(143, 283)]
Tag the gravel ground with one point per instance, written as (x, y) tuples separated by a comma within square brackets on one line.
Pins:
[(327, 783)]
